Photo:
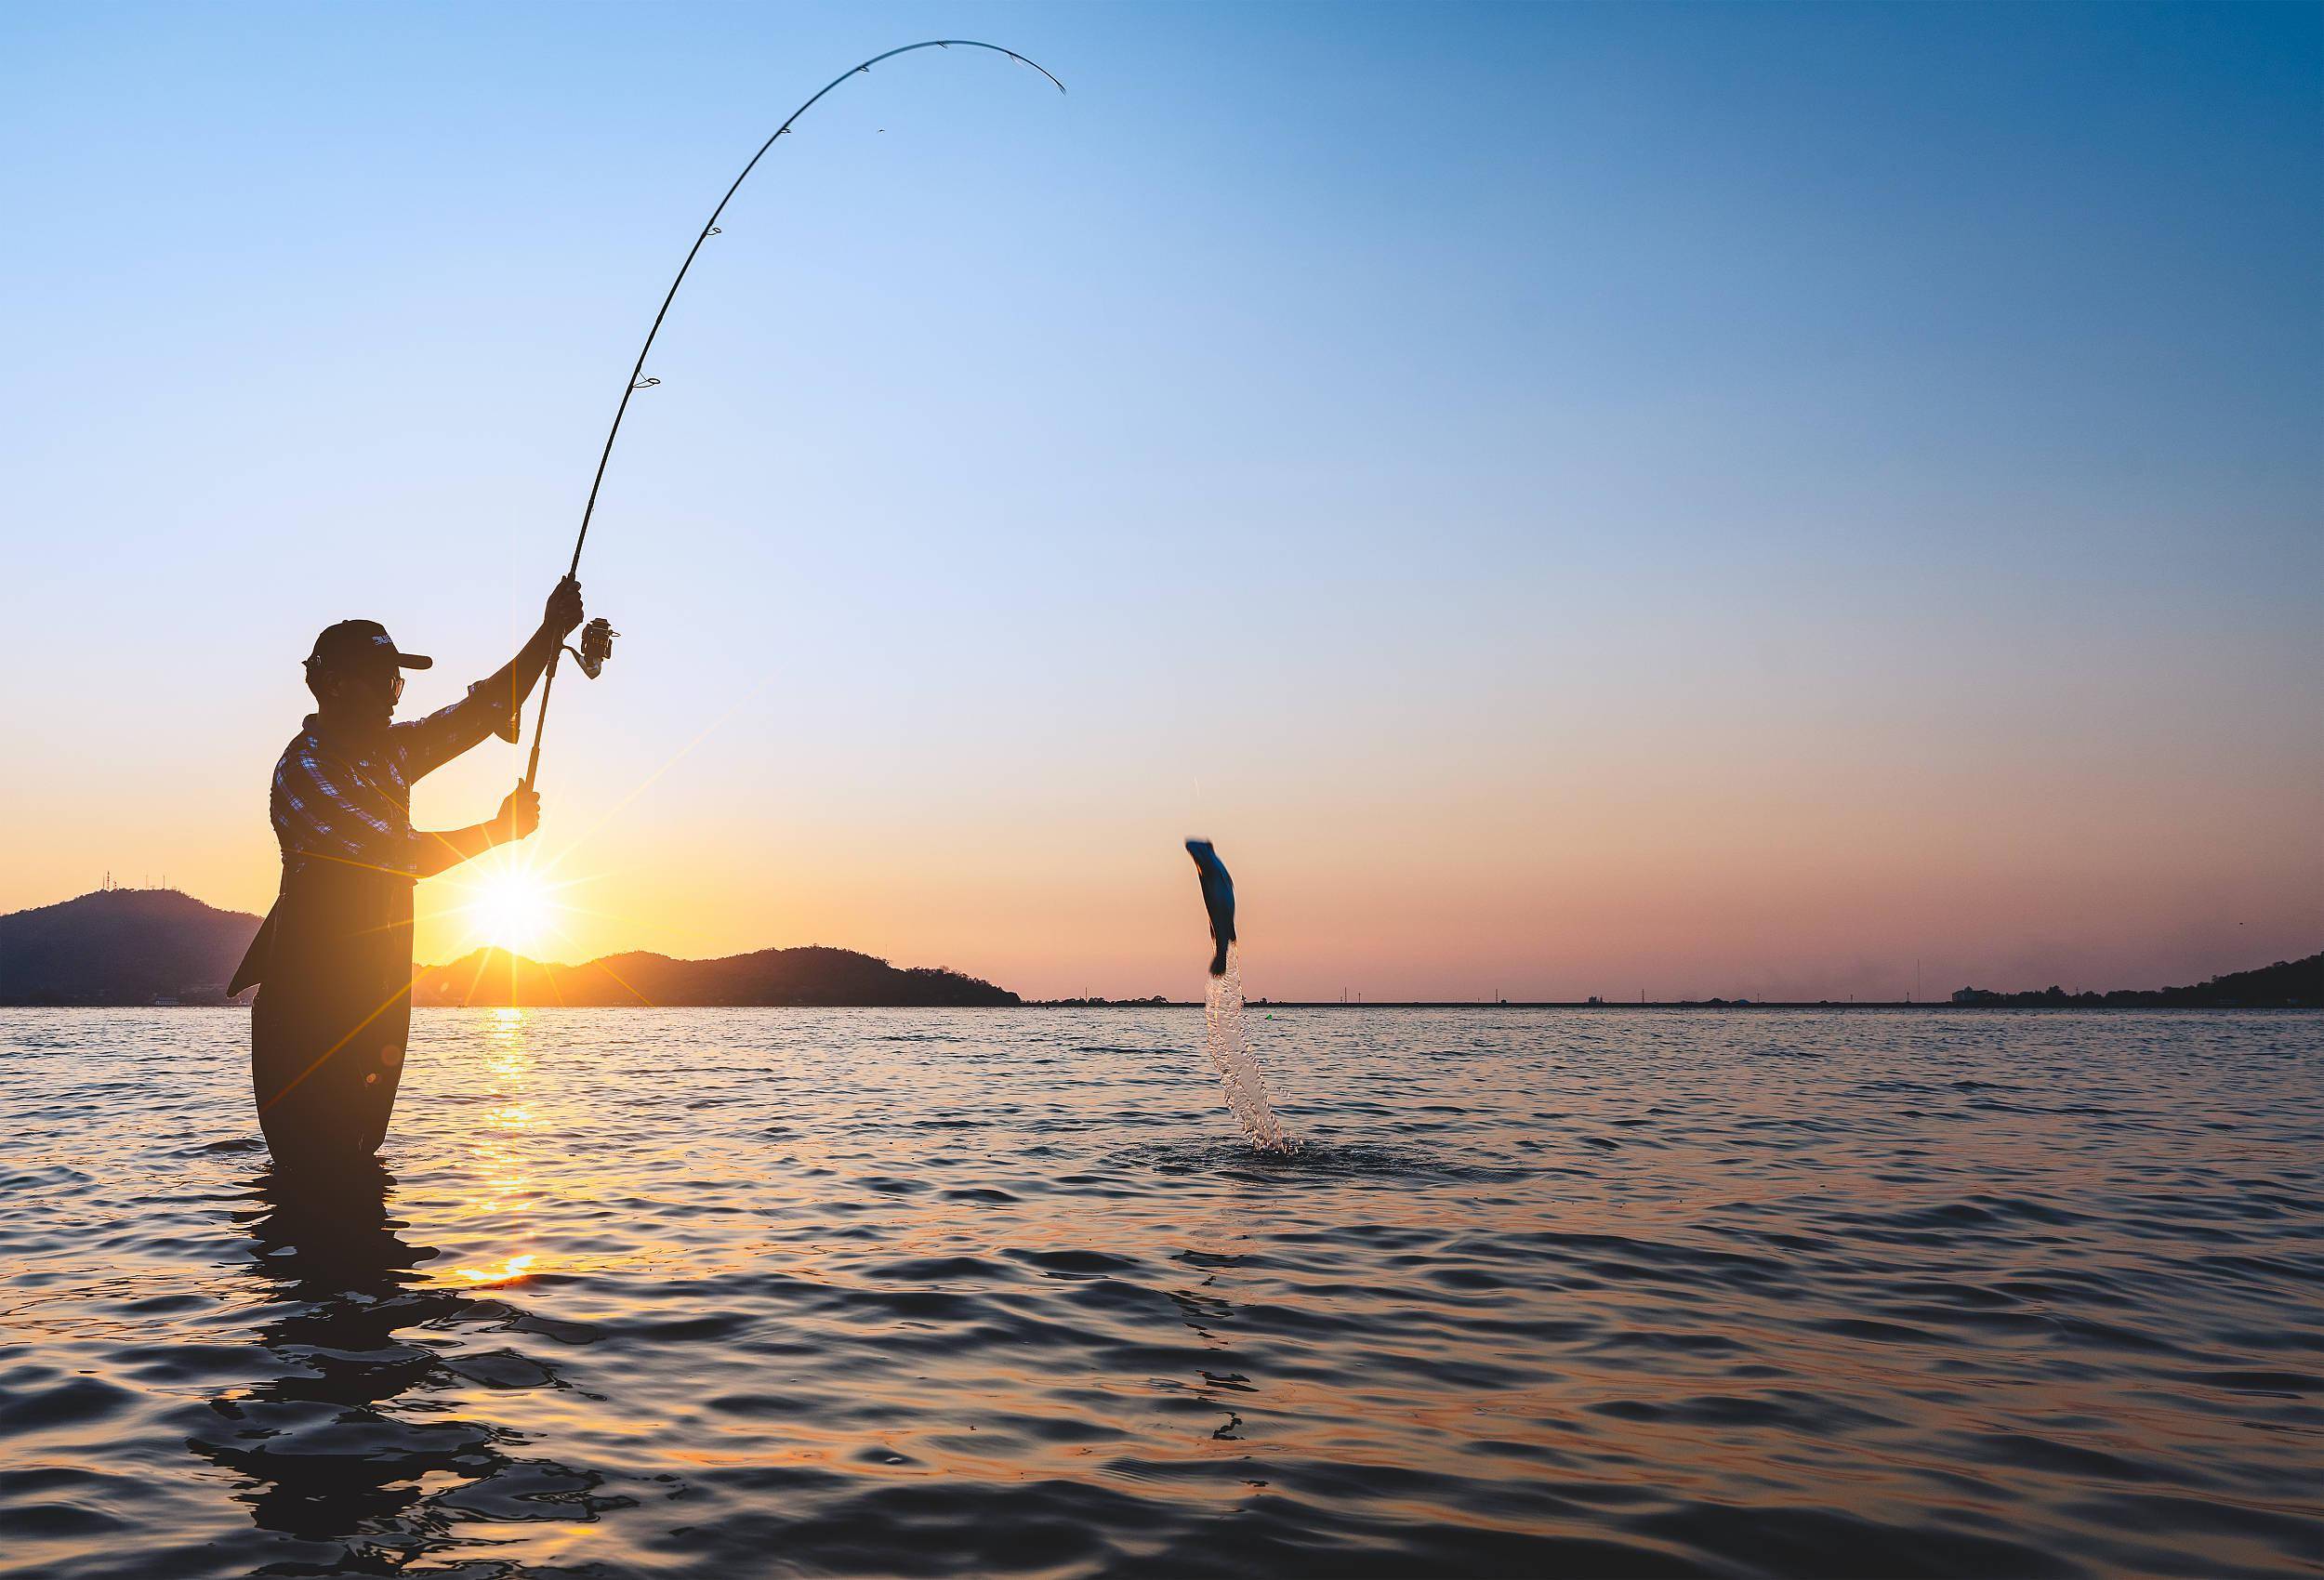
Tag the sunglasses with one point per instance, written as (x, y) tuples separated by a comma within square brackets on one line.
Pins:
[(392, 683)]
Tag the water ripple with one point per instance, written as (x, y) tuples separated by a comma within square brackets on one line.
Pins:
[(715, 1292)]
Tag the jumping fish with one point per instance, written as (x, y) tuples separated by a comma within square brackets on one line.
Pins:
[(1218, 898)]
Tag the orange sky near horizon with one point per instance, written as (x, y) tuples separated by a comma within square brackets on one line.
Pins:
[(1579, 861)]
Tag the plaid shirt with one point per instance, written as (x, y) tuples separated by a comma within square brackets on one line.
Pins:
[(339, 798)]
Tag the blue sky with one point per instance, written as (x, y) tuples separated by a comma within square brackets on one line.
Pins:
[(1560, 493)]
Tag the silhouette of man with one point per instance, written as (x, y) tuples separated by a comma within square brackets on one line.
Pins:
[(334, 958)]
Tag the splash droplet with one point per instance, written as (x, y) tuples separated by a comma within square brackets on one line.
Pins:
[(1238, 1071)]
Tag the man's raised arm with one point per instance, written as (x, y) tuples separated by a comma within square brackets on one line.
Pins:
[(491, 706), (516, 678)]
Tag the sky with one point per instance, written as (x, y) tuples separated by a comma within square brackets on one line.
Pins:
[(1728, 500)]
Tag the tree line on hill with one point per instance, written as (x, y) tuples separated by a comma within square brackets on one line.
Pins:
[(809, 976), (2285, 985)]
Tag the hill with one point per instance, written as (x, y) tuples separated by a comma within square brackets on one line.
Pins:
[(810, 976), (2287, 981), (122, 946), (2286, 984)]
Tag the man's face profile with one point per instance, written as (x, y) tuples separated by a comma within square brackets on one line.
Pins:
[(363, 697)]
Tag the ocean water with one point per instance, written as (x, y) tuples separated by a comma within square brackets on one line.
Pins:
[(773, 1292)]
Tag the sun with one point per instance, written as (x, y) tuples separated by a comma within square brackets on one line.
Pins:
[(513, 909)]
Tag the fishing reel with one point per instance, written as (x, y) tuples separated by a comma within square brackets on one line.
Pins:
[(597, 646)]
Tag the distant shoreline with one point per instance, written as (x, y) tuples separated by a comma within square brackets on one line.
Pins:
[(1634, 1004), (1270, 1004)]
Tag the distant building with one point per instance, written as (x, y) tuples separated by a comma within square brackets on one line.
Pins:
[(1975, 995)]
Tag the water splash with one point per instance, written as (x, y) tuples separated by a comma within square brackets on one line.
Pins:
[(1238, 1072)]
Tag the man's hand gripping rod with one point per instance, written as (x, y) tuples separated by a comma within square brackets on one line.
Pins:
[(597, 646)]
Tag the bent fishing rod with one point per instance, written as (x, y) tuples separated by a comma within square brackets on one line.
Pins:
[(597, 638)]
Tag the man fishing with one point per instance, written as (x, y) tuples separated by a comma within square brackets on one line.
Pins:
[(334, 958)]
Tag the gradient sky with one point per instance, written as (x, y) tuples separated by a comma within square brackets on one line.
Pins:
[(1724, 500)]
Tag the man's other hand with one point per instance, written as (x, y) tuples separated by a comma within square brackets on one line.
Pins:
[(564, 609), (519, 815)]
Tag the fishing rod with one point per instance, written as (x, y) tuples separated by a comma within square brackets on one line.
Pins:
[(597, 637)]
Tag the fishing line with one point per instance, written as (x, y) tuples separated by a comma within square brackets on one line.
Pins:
[(597, 638)]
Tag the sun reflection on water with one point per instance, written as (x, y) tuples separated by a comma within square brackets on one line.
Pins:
[(508, 1271), (500, 1162)]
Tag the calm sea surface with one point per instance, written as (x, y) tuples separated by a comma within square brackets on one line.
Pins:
[(901, 1291)]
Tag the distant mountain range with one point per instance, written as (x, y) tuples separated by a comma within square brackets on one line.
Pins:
[(149, 945), (812, 976)]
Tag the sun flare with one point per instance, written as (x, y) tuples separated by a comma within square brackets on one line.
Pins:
[(513, 909)]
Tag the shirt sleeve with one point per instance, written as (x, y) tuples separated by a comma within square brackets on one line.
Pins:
[(315, 813), (427, 744)]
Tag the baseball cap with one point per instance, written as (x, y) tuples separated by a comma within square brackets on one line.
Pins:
[(362, 644)]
